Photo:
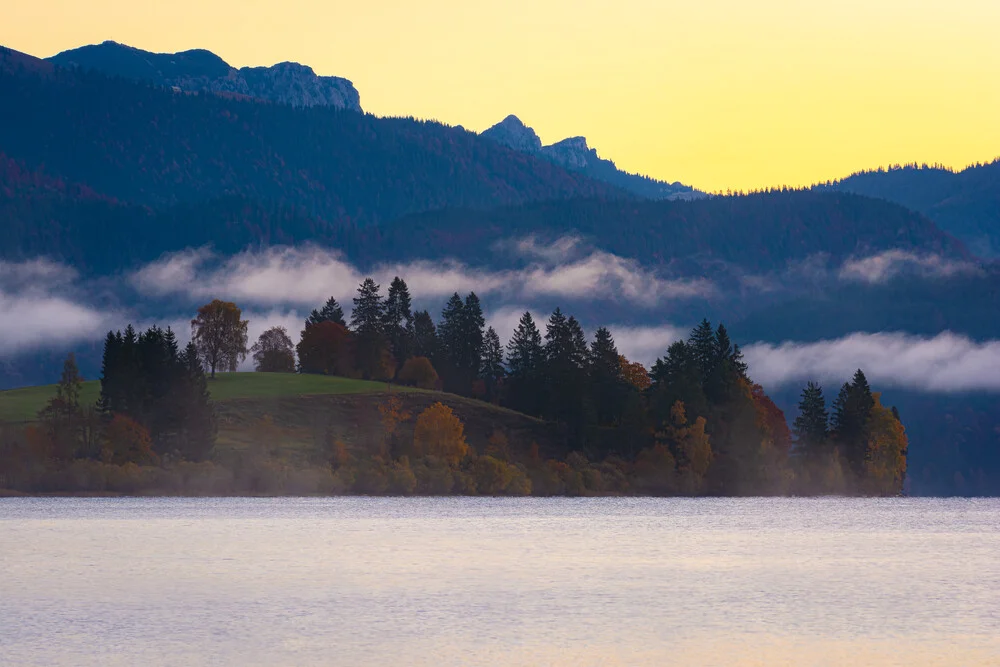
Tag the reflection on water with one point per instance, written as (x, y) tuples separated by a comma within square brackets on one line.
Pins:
[(459, 581)]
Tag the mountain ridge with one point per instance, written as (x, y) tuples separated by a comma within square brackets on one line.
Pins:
[(200, 70), (575, 154)]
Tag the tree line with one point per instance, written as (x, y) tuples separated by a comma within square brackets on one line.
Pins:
[(695, 423)]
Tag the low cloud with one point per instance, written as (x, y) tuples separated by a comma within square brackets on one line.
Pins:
[(947, 362), (38, 310), (880, 268), (306, 276), (646, 344)]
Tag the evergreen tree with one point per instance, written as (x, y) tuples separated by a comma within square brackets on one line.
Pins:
[(492, 370), (450, 344), (525, 357), (368, 324), (369, 313), (398, 320), (811, 427), (565, 374), (606, 380), (704, 347), (195, 438), (473, 324), (851, 412), (424, 335), (330, 312)]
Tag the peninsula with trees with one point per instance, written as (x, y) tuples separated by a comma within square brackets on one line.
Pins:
[(392, 402)]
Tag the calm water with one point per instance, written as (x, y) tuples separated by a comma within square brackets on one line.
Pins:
[(442, 582)]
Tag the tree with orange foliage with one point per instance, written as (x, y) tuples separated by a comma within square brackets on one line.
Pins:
[(326, 348), (438, 432), (635, 374), (127, 441), (418, 372)]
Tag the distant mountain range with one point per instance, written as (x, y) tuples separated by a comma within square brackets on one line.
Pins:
[(964, 203), (200, 70), (574, 154)]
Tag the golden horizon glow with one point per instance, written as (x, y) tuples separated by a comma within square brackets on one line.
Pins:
[(719, 94)]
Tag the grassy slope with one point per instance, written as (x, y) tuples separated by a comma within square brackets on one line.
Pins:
[(21, 405), (293, 415)]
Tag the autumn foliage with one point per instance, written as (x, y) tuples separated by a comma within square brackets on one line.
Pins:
[(438, 432)]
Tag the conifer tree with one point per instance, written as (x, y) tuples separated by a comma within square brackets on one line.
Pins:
[(424, 335), (525, 357), (851, 412), (811, 427), (492, 370), (330, 312), (398, 320), (371, 348)]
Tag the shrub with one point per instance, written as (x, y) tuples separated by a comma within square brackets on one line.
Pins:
[(418, 372)]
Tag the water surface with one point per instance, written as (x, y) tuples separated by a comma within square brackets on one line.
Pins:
[(461, 581)]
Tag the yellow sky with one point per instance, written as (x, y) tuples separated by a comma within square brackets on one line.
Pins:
[(715, 93)]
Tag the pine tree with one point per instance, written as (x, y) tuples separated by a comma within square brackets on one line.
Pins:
[(450, 344), (424, 335), (330, 312), (525, 357), (852, 410), (492, 370), (398, 320), (607, 383), (368, 324), (811, 427), (704, 347), (368, 316)]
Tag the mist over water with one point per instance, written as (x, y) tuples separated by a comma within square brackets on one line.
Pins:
[(462, 581)]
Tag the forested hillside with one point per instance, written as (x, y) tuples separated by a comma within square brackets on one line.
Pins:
[(148, 145), (964, 203)]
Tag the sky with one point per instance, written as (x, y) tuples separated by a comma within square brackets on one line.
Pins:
[(719, 94)]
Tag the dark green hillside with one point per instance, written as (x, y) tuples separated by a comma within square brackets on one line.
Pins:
[(152, 146)]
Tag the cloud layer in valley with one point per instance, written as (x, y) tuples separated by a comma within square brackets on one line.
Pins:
[(39, 309), (308, 275), (946, 362)]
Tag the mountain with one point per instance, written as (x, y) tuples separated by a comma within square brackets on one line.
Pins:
[(964, 203), (574, 154), (150, 146), (200, 70)]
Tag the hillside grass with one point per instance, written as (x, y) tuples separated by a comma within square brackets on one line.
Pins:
[(23, 405)]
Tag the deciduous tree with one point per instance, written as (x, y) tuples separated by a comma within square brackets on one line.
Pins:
[(440, 433), (220, 335), (274, 352)]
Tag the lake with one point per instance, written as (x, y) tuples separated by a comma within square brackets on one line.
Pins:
[(476, 581)]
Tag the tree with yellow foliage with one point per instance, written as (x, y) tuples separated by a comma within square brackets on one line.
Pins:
[(438, 432), (885, 460), (690, 446)]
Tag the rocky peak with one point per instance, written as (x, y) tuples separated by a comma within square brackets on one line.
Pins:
[(511, 132), (201, 70), (572, 153)]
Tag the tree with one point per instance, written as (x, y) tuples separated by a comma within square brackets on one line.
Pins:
[(128, 441), (885, 460), (492, 370), (450, 343), (62, 416), (811, 427), (634, 374), (326, 348), (418, 372), (424, 335), (368, 315), (197, 428), (607, 381), (690, 447), (438, 432), (398, 320), (330, 312), (851, 411), (274, 352), (393, 414), (220, 336), (371, 347)]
